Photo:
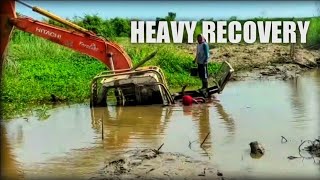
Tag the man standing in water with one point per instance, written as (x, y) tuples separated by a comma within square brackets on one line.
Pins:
[(201, 59)]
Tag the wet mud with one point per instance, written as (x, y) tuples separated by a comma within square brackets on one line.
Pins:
[(271, 72), (154, 164)]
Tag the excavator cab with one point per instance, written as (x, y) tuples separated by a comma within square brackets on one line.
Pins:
[(142, 86)]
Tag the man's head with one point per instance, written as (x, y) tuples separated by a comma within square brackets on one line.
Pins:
[(200, 38)]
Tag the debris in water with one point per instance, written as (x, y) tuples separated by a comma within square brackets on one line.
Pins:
[(256, 147), (219, 173), (204, 139), (257, 150), (283, 139), (293, 157), (160, 146), (314, 148)]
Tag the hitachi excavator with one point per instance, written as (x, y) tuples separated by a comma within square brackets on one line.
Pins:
[(123, 84)]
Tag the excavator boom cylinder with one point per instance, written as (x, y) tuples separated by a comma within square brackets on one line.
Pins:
[(61, 20), (56, 18)]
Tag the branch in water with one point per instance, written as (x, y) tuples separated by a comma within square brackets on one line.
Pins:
[(205, 139)]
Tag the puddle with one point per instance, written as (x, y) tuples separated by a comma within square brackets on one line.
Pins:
[(71, 138)]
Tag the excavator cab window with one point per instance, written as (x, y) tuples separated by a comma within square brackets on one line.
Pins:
[(132, 95)]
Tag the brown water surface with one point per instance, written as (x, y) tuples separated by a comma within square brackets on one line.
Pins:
[(69, 142)]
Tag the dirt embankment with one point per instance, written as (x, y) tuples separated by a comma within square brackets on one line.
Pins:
[(153, 164), (264, 61)]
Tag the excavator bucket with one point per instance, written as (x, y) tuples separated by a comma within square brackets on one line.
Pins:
[(7, 11), (220, 79)]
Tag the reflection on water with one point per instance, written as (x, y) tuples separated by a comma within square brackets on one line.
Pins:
[(10, 167), (121, 125), (71, 138), (303, 97), (228, 120)]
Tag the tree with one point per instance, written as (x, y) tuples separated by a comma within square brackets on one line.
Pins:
[(121, 27), (171, 16), (233, 18)]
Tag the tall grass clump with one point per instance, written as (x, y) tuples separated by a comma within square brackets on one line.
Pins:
[(313, 36)]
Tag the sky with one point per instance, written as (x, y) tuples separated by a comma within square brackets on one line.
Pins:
[(185, 10)]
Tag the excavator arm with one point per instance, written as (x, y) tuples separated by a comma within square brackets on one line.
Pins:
[(7, 11), (78, 39)]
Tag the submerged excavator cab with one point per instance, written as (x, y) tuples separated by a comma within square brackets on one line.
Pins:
[(142, 86)]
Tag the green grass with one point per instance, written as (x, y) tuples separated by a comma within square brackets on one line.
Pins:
[(313, 38), (36, 68)]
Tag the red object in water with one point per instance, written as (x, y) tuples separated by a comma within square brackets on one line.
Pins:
[(187, 100)]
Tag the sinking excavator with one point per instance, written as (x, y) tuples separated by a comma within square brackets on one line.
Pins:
[(123, 84)]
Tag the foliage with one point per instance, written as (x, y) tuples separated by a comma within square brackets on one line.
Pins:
[(313, 38)]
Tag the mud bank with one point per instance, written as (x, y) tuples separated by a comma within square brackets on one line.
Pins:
[(153, 164), (263, 61), (269, 61), (284, 71)]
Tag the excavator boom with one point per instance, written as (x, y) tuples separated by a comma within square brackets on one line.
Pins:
[(80, 40), (91, 45)]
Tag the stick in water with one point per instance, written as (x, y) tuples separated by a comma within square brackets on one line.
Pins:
[(205, 139), (160, 146)]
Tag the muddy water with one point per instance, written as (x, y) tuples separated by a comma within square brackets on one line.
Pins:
[(69, 142)]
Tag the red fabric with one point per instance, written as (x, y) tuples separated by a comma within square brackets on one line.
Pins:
[(187, 100)]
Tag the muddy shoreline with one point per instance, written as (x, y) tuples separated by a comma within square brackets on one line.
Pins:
[(263, 61), (267, 62), (275, 62), (276, 71)]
